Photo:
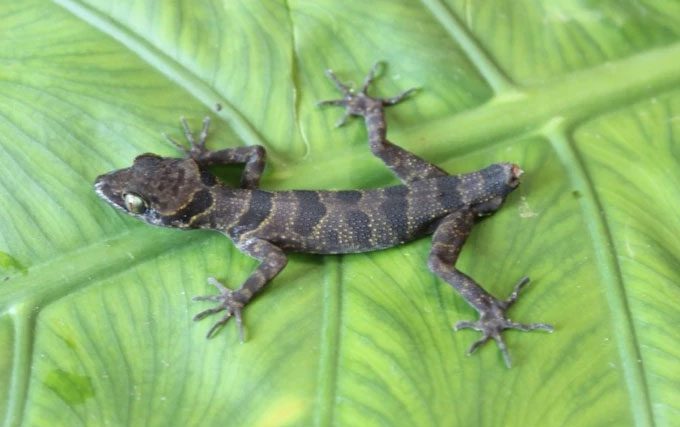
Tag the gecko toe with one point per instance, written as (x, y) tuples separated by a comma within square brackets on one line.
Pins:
[(503, 348), (214, 298), (196, 146), (228, 301), (492, 327), (493, 321), (475, 345), (217, 325), (332, 102), (359, 102), (463, 324), (526, 327), (205, 313)]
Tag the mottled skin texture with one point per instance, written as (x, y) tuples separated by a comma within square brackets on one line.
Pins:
[(182, 193)]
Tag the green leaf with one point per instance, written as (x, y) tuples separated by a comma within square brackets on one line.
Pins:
[(95, 307)]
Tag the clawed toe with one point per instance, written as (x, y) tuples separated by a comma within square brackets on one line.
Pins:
[(175, 144), (400, 97), (491, 330), (526, 327), (226, 302), (463, 324), (236, 314), (358, 102), (220, 287), (196, 148), (475, 345), (215, 298), (493, 321), (205, 313)]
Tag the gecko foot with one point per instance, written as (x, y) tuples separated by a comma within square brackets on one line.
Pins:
[(359, 103), (228, 302), (196, 147), (493, 321)]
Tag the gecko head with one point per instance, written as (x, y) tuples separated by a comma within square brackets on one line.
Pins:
[(496, 182), (158, 190)]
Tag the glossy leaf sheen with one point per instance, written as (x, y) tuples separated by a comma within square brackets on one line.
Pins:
[(95, 309)]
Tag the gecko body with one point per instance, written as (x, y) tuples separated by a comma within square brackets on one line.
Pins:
[(182, 193)]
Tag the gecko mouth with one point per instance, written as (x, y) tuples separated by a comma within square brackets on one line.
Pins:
[(104, 191), (515, 173), (99, 187)]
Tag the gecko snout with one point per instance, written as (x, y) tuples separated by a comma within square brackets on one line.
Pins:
[(515, 173)]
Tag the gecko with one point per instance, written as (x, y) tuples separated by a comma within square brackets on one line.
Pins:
[(182, 193)]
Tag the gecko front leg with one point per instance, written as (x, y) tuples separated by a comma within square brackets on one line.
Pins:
[(447, 242), (232, 302), (252, 156)]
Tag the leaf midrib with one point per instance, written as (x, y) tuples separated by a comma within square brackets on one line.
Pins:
[(49, 281), (610, 278)]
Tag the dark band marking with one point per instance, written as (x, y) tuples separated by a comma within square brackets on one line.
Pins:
[(494, 179), (207, 178), (309, 213), (200, 202), (360, 224), (350, 196), (450, 198), (259, 208), (180, 176), (493, 173), (332, 241), (395, 209), (375, 122)]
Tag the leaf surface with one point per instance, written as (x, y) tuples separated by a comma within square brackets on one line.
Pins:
[(95, 308)]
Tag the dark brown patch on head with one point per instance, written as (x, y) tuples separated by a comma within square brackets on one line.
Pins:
[(166, 185), (169, 185)]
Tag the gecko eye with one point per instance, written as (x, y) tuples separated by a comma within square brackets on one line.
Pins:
[(134, 203)]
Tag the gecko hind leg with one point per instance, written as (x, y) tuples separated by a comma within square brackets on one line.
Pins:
[(447, 241), (407, 166)]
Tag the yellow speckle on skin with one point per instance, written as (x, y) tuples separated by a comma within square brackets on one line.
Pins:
[(284, 411)]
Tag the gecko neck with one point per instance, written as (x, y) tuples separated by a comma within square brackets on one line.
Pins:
[(230, 206)]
